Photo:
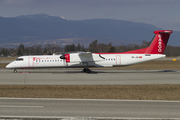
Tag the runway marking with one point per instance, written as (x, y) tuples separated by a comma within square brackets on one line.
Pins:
[(113, 100), (71, 118), (17, 106)]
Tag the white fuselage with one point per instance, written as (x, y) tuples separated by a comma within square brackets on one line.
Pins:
[(92, 60)]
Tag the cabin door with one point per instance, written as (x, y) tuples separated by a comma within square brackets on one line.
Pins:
[(118, 59), (30, 62)]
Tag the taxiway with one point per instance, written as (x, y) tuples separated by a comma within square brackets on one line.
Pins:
[(97, 77)]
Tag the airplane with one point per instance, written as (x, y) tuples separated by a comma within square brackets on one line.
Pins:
[(87, 59)]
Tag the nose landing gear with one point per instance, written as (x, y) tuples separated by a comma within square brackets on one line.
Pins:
[(15, 71)]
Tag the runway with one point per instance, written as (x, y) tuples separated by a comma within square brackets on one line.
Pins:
[(97, 77), (61, 108)]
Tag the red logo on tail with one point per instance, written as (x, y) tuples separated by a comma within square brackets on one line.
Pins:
[(159, 43)]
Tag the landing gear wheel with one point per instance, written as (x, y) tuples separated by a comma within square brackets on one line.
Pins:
[(86, 70), (15, 71)]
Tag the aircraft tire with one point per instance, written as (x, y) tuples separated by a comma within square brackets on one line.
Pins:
[(15, 71), (88, 71), (84, 70)]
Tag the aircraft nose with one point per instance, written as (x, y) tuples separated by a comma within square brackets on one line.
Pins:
[(9, 65)]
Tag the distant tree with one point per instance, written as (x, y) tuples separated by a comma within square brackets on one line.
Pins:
[(83, 48), (4, 52), (73, 47), (45, 51), (70, 48), (93, 47), (11, 51), (78, 48), (38, 50), (28, 51), (121, 48), (103, 47), (135, 47), (19, 53), (172, 51), (21, 50), (112, 49), (145, 44)]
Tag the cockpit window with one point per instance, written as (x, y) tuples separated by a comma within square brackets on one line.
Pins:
[(19, 59)]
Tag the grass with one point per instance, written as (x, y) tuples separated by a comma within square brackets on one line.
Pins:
[(7, 58), (135, 92), (3, 65)]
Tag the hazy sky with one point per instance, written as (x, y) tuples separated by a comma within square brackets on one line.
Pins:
[(161, 13)]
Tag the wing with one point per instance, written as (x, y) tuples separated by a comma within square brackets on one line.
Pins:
[(90, 57)]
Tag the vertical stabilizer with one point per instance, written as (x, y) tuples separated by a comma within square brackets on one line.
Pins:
[(158, 44)]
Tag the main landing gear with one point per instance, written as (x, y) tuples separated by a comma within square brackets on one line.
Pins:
[(87, 70), (15, 71)]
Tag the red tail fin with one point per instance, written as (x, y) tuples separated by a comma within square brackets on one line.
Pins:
[(158, 44)]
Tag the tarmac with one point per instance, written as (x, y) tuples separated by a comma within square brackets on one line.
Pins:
[(69, 76), (102, 109)]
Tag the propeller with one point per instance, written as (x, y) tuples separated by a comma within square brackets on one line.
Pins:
[(62, 56)]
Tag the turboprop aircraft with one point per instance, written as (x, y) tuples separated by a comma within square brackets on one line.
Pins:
[(87, 59)]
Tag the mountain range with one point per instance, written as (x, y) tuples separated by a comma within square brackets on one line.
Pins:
[(45, 29)]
